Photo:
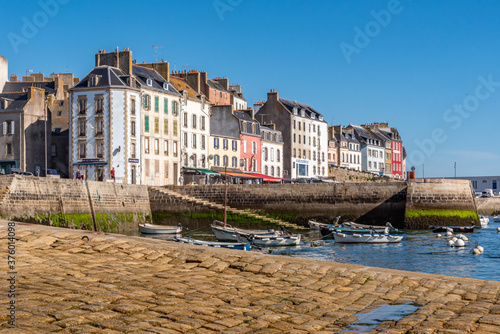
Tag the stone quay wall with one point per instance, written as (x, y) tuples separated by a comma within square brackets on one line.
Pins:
[(439, 202), (108, 206), (107, 283), (488, 206), (104, 206)]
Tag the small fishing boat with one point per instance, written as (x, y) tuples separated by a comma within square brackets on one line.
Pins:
[(369, 238), (483, 220), (226, 232), (281, 238), (328, 230), (231, 245), (314, 225), (460, 229), (367, 227), (159, 229)]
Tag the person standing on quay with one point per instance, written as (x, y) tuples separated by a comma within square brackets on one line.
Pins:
[(113, 174)]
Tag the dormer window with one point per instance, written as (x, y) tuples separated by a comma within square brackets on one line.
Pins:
[(320, 118), (2, 104), (91, 81), (149, 82), (295, 110), (313, 116), (302, 112), (165, 86)]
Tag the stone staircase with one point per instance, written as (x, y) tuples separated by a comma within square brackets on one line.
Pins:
[(217, 206)]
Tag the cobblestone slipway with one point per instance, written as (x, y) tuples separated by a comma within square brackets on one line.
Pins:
[(119, 284)]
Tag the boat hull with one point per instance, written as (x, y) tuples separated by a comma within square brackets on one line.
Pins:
[(230, 245), (228, 233), (272, 241), (328, 230), (159, 229), (356, 238), (461, 229)]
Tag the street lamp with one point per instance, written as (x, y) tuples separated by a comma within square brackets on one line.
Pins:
[(455, 169)]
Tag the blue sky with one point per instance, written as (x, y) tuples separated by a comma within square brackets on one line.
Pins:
[(429, 68)]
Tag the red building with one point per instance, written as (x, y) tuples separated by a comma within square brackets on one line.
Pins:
[(250, 141)]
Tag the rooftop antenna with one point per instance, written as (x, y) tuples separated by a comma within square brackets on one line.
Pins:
[(28, 71), (156, 53)]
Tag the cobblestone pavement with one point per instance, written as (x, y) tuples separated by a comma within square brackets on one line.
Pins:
[(119, 284)]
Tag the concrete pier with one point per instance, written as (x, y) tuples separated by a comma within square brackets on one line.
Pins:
[(73, 281)]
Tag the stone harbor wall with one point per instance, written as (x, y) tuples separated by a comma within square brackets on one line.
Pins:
[(488, 206), (107, 206), (104, 206), (439, 202)]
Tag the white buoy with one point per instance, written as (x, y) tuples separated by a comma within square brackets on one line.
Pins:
[(463, 237), (480, 248), (449, 233), (454, 239), (439, 235), (476, 251), (498, 229), (459, 243), (451, 243)]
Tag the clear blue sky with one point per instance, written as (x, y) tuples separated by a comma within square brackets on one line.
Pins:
[(429, 68)]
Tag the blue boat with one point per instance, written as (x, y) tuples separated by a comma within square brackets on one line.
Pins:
[(231, 245)]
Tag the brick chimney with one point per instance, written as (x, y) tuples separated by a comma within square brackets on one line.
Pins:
[(224, 82), (14, 78), (162, 68), (120, 59), (273, 96)]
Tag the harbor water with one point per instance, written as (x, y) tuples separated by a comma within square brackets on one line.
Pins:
[(420, 251)]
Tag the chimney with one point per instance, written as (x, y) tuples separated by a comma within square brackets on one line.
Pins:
[(250, 112), (272, 96), (224, 82), (14, 78), (120, 59), (162, 68)]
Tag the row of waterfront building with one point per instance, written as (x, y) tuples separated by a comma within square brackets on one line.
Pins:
[(157, 127)]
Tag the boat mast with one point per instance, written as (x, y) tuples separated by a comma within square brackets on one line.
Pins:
[(225, 192)]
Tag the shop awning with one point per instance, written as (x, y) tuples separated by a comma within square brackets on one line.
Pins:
[(266, 177), (209, 172), (243, 175), (90, 163)]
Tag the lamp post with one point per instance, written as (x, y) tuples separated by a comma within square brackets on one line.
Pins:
[(455, 169)]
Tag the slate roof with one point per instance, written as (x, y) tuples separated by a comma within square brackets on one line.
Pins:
[(243, 116), (17, 101), (289, 105), (22, 86), (363, 134), (271, 130), (339, 137), (216, 85), (109, 76), (143, 73), (351, 138)]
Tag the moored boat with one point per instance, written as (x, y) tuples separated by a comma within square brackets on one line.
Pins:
[(226, 232), (271, 240), (231, 245), (371, 238), (483, 220), (314, 225), (461, 229), (159, 229), (329, 230)]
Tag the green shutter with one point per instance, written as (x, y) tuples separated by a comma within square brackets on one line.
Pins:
[(157, 102), (146, 123), (165, 102)]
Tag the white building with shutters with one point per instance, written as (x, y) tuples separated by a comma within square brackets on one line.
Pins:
[(272, 152)]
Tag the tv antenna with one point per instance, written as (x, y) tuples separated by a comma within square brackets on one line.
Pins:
[(156, 53)]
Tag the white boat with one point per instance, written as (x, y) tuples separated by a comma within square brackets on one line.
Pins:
[(231, 245), (370, 238), (159, 229), (496, 219), (314, 225), (279, 239), (228, 233), (483, 220)]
